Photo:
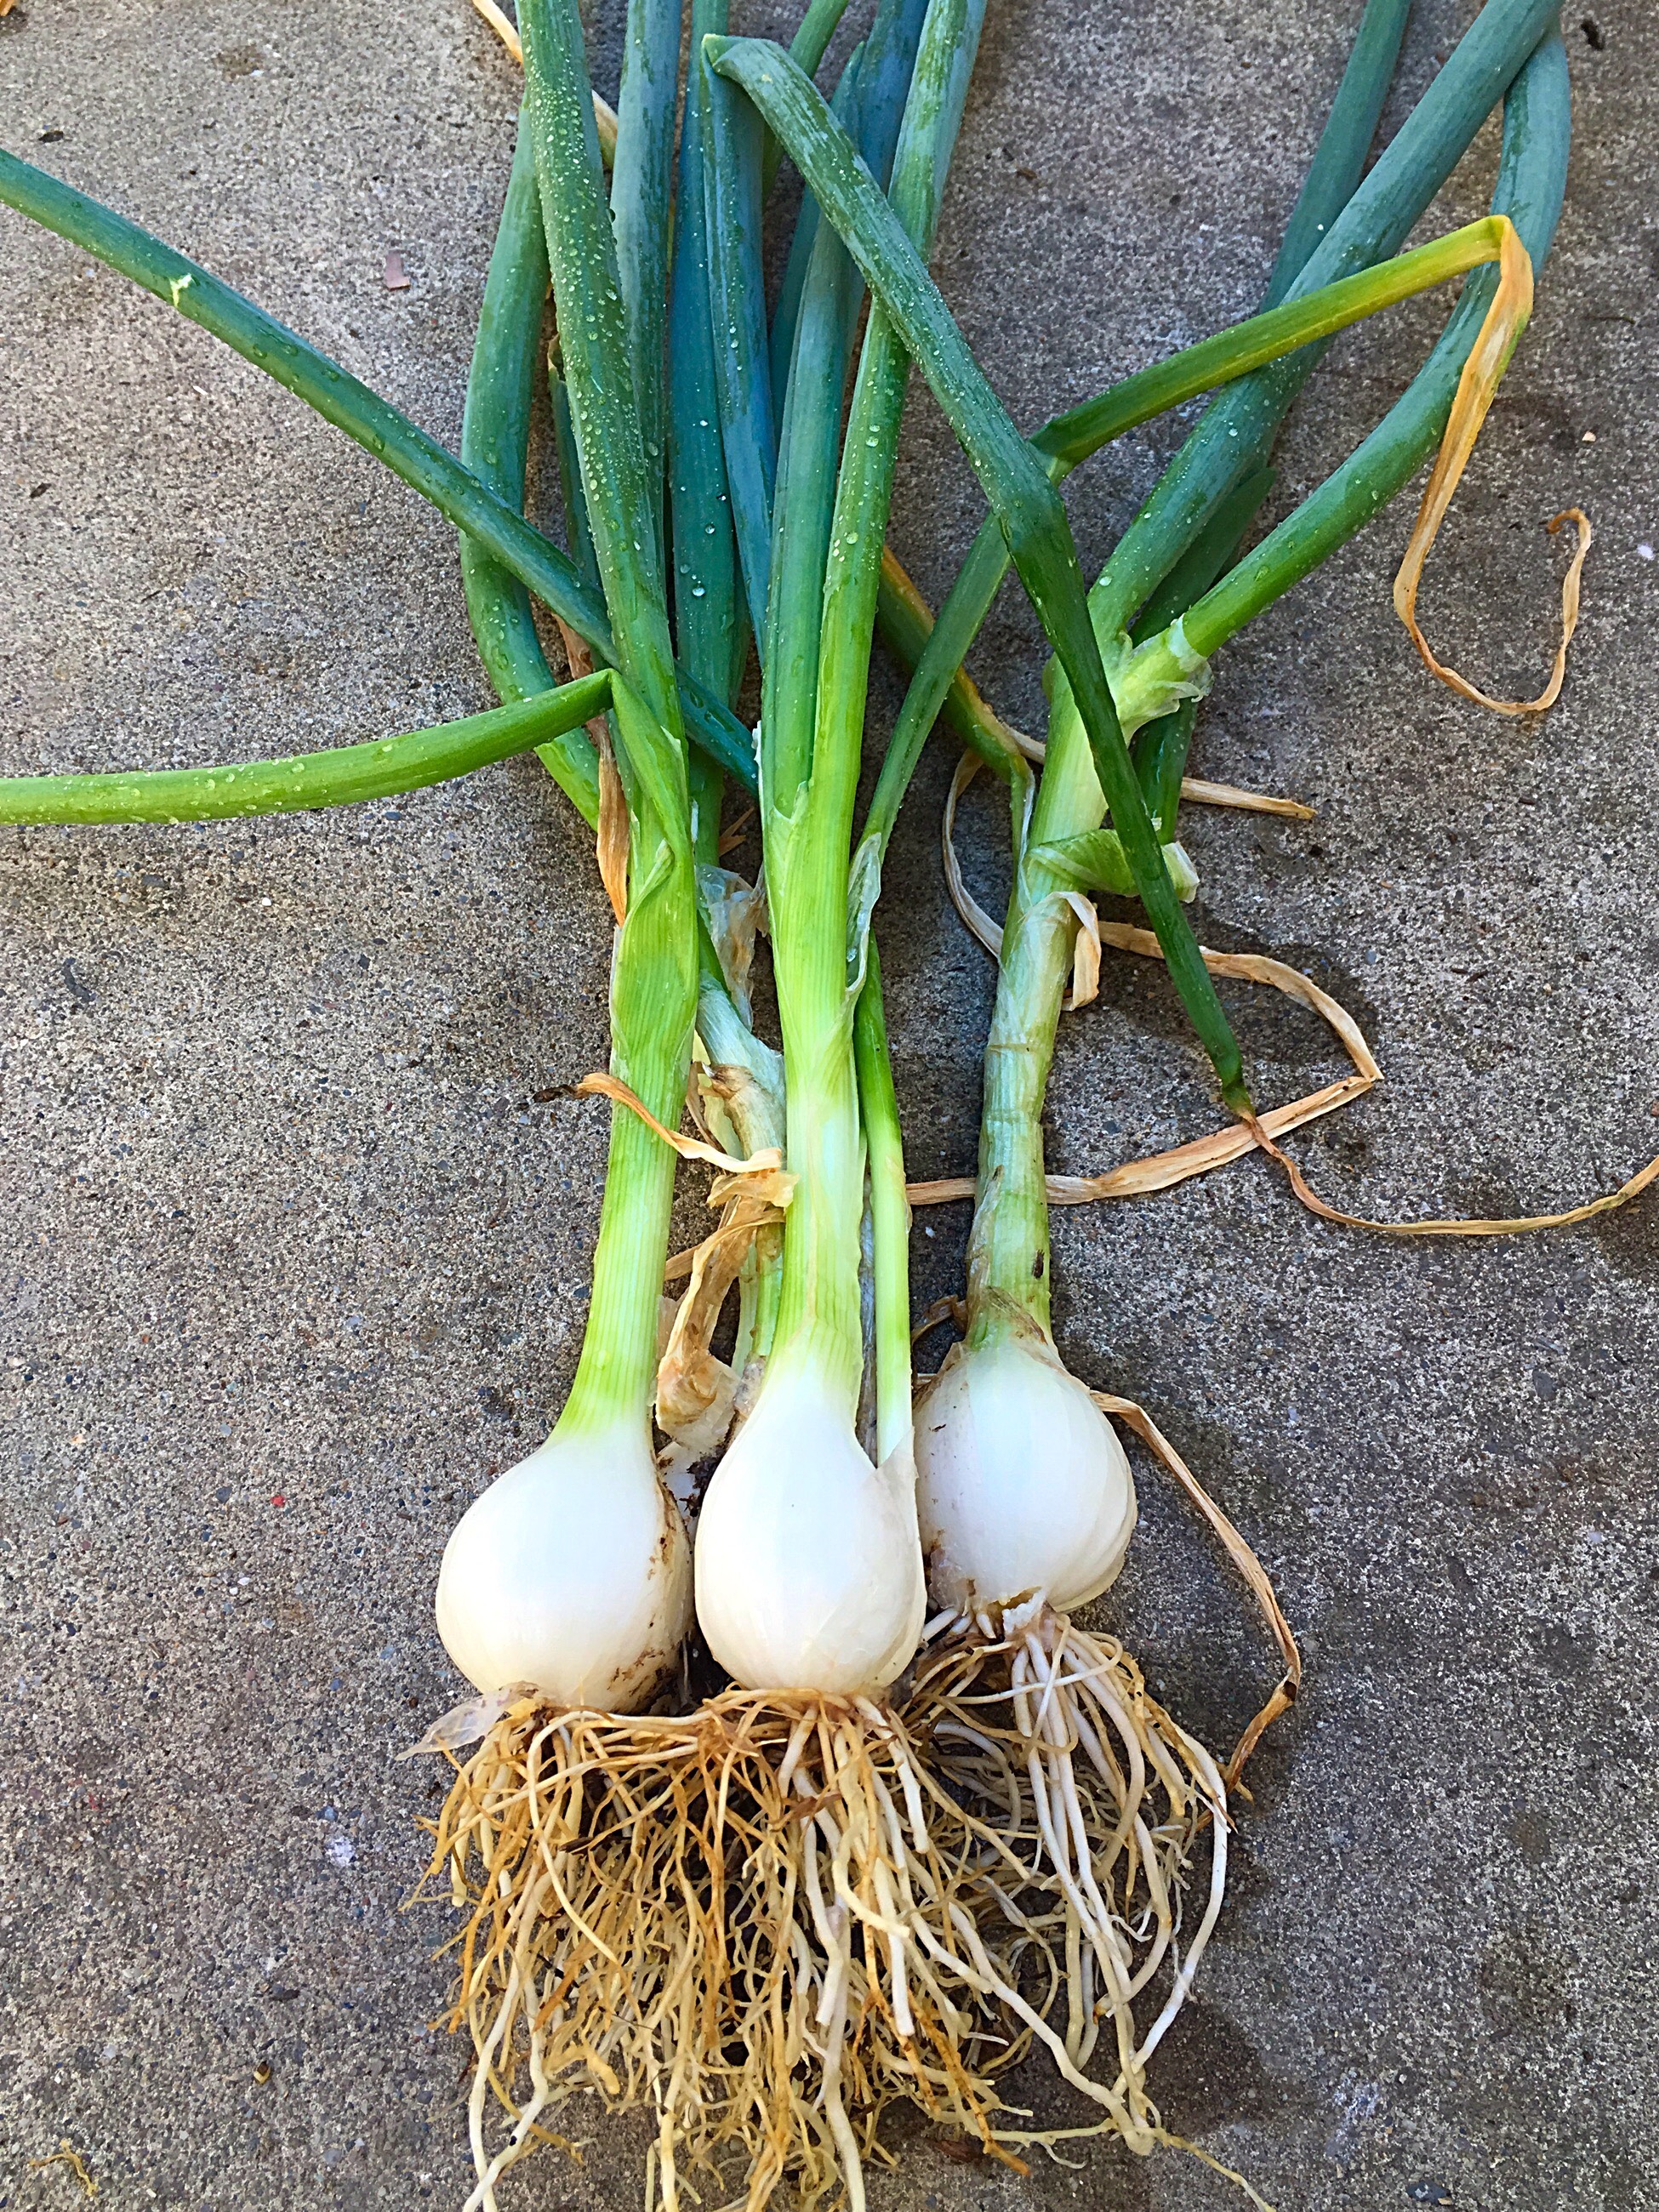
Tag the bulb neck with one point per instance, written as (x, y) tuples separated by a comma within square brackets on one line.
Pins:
[(819, 1326), (616, 1372), (1008, 1254), (654, 1003)]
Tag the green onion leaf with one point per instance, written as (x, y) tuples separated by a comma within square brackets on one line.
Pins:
[(340, 776), (1027, 505)]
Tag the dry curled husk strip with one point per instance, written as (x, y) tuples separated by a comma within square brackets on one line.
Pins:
[(762, 1175), (1085, 950), (1202, 792), (697, 1393), (612, 842), (1250, 1567), (1164, 1170), (66, 2153), (1505, 318), (1608, 1202), (980, 926)]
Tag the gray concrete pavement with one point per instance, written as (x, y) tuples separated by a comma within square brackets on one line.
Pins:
[(292, 1251)]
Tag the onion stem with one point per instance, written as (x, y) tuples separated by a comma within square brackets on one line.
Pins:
[(1235, 433), (654, 974), (494, 446), (1008, 1271), (340, 775), (825, 576), (934, 647), (890, 1212), (709, 627), (1027, 507), (870, 101), (641, 181)]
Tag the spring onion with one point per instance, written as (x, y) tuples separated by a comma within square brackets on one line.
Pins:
[(884, 1856), (1026, 1496)]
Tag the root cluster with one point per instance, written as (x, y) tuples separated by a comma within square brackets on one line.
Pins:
[(756, 1919), (769, 1919), (1049, 1736)]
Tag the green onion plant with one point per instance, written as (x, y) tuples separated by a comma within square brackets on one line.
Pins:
[(1026, 1498), (746, 1837)]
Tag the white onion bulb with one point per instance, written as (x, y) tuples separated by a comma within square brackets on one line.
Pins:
[(808, 1564), (1022, 1484), (572, 1573)]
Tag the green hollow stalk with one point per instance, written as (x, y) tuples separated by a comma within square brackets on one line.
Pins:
[(1231, 435), (1011, 1271), (655, 972), (506, 632), (943, 67), (495, 445), (1159, 751), (371, 422), (804, 517), (869, 99), (711, 636), (494, 442), (616, 469), (733, 143), (1235, 433), (1338, 160), (933, 645), (641, 189), (1027, 505), (1008, 1269), (1028, 509), (805, 843), (495, 436), (572, 498), (811, 767), (341, 775), (781, 343), (710, 628), (808, 48), (890, 1211), (737, 182), (642, 200), (654, 1011)]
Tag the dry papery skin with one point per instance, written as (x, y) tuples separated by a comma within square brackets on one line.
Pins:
[(697, 1394), (612, 842), (1243, 1559), (763, 1177), (1162, 1171), (1608, 1202), (66, 2153), (1505, 318)]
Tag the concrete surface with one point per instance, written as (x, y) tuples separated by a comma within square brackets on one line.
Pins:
[(293, 1250)]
